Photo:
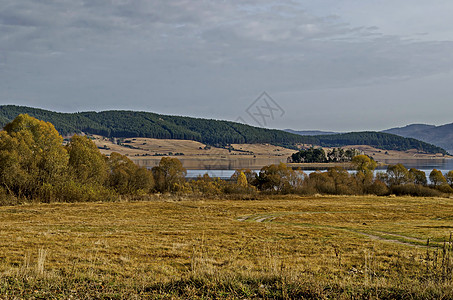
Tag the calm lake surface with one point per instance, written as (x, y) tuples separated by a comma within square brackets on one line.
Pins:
[(426, 165)]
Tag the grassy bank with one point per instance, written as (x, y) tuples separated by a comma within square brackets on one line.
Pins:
[(292, 247)]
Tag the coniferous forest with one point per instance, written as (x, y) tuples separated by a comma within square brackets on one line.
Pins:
[(213, 132)]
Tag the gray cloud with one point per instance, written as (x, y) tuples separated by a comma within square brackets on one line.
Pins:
[(205, 58)]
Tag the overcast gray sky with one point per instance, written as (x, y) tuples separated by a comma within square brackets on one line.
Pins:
[(328, 64)]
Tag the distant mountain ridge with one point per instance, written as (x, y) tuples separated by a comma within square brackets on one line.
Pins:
[(409, 129), (310, 132), (128, 124), (441, 136)]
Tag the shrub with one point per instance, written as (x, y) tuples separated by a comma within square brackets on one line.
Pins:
[(279, 178), (336, 181), (414, 190), (72, 191), (234, 188), (207, 186), (128, 178), (321, 182), (378, 188), (445, 188), (249, 175), (6, 198)]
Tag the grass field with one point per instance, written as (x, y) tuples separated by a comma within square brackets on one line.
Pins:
[(285, 247)]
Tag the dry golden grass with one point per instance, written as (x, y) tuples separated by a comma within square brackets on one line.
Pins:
[(141, 151), (286, 247)]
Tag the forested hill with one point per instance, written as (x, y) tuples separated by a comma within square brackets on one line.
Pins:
[(144, 124), (376, 139), (441, 136)]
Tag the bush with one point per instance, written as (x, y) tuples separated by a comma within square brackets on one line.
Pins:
[(72, 191), (207, 186), (414, 190), (249, 175), (128, 178), (445, 188), (279, 179), (6, 198), (321, 182), (378, 188), (234, 188), (336, 181)]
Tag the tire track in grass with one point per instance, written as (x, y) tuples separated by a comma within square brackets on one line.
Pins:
[(375, 235)]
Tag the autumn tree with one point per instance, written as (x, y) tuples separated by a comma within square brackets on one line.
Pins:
[(242, 180), (418, 176), (437, 178), (206, 185), (86, 163), (128, 178), (449, 178), (279, 178), (321, 182), (364, 164), (31, 156), (169, 174), (250, 176), (397, 174), (344, 183)]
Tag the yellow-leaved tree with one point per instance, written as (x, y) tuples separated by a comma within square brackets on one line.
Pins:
[(32, 157), (86, 163), (242, 180), (128, 178), (364, 164), (169, 174)]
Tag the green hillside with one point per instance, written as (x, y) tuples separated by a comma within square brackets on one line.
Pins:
[(144, 124)]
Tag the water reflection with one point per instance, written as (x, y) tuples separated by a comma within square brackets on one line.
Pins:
[(425, 165), (422, 164), (223, 174)]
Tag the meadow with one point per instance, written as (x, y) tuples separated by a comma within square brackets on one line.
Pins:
[(277, 247)]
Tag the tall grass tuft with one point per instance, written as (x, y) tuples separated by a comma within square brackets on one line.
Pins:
[(439, 262)]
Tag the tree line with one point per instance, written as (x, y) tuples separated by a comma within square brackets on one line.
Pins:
[(319, 155), (126, 124), (36, 166)]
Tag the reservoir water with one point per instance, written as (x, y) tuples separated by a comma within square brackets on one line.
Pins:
[(426, 165)]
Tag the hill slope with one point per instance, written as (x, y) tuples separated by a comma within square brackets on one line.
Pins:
[(409, 130), (144, 124), (441, 136)]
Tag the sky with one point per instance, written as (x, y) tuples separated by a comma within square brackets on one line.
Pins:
[(348, 65)]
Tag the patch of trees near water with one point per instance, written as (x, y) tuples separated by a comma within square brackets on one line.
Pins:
[(318, 155)]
